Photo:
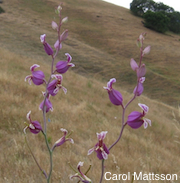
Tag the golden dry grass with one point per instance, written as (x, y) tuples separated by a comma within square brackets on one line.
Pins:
[(86, 108)]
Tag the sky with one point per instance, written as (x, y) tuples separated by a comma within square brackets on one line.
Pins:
[(126, 3)]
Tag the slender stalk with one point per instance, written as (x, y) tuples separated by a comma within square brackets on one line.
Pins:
[(44, 106), (102, 173), (50, 156), (35, 158)]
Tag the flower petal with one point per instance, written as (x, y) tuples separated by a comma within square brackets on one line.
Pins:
[(33, 67), (42, 38), (115, 97), (102, 135), (144, 107), (28, 116), (90, 151), (104, 155), (69, 58)]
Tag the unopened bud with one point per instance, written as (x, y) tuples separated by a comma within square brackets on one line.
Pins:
[(141, 71), (65, 19), (146, 50), (54, 25), (58, 10)]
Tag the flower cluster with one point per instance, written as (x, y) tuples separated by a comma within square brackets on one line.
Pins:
[(54, 84)]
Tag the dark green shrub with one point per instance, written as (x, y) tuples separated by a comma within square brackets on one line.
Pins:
[(157, 21), (1, 10), (174, 24)]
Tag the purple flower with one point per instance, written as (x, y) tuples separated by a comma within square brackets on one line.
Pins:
[(37, 77), (100, 148), (55, 85), (33, 126), (136, 119), (80, 175), (57, 46), (63, 139), (63, 66), (47, 47), (140, 88), (48, 104), (114, 95), (141, 71)]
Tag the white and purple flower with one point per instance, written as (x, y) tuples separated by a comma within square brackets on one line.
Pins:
[(100, 148), (55, 85), (48, 104), (37, 77), (114, 95), (63, 66), (33, 126), (47, 47), (83, 178), (63, 139), (136, 119), (139, 90)]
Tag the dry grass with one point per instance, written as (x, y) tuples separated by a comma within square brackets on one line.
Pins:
[(86, 108)]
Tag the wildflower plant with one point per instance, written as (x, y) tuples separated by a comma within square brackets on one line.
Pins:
[(54, 85)]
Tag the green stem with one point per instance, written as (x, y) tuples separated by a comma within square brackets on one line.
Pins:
[(35, 158), (50, 156), (102, 173)]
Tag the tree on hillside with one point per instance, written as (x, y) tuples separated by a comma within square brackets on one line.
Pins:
[(157, 16), (156, 21), (139, 7), (162, 7)]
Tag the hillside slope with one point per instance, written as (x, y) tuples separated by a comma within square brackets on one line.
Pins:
[(102, 40)]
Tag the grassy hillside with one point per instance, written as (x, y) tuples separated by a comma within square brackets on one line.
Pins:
[(102, 40)]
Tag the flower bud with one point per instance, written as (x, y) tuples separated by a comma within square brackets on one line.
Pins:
[(141, 71), (47, 47), (54, 25), (64, 35), (146, 50), (133, 64), (64, 20)]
